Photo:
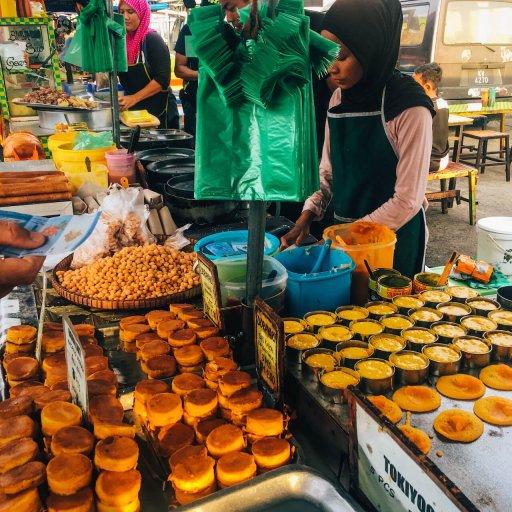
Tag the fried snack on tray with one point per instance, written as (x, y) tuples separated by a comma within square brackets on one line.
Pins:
[(144, 272), (47, 96)]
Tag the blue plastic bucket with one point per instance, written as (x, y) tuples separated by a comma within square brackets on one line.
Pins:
[(325, 290), (231, 239)]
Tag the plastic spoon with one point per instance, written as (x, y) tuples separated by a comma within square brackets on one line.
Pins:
[(321, 257)]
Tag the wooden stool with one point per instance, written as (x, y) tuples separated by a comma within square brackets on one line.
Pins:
[(483, 157), (448, 177)]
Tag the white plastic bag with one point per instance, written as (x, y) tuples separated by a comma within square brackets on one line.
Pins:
[(122, 224), (178, 240)]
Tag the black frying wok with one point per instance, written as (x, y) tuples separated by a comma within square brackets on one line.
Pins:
[(155, 155)]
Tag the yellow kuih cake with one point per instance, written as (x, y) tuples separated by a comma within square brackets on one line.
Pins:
[(185, 452), (72, 439), (417, 399), (116, 454), (271, 453), (193, 478), (155, 317), (81, 501), (57, 415), (16, 407), (187, 382), (118, 489), (234, 468), (16, 453), (22, 478), (264, 423), (164, 409), (458, 425), (26, 501), (173, 437), (225, 439), (68, 473)]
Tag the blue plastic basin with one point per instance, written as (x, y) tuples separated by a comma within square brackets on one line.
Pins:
[(325, 290)]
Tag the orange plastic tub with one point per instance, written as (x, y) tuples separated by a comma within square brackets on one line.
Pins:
[(368, 241)]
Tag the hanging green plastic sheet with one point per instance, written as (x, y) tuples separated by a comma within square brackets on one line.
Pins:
[(91, 48), (256, 137)]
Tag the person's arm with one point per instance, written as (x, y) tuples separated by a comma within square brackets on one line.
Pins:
[(17, 271), (411, 133), (159, 62), (316, 204), (181, 70), (129, 101)]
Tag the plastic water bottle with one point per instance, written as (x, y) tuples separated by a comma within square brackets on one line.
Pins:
[(492, 97)]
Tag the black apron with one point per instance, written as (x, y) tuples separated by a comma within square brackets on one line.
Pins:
[(364, 176), (135, 79)]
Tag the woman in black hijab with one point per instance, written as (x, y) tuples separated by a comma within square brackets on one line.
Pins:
[(378, 137)]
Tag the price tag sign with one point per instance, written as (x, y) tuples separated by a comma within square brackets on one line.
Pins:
[(387, 475), (75, 360), (269, 347), (210, 287)]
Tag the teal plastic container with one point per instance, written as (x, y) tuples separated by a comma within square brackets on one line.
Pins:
[(233, 275), (233, 240), (325, 290)]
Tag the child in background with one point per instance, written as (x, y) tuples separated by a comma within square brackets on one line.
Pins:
[(429, 77)]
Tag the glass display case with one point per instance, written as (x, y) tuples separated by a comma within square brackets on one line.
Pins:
[(28, 61)]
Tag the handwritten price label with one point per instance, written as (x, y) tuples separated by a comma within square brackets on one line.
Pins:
[(210, 288)]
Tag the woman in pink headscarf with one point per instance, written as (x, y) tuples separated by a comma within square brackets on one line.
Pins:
[(146, 83)]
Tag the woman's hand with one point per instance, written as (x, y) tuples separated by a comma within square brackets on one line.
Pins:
[(127, 102), (17, 271), (299, 232)]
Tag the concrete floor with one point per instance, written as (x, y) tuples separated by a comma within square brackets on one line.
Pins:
[(451, 231)]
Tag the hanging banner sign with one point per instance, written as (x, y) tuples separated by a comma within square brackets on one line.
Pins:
[(270, 349), (210, 288), (385, 472), (75, 360)]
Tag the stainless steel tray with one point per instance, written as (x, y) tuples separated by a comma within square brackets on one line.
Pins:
[(289, 489), (44, 106), (480, 469)]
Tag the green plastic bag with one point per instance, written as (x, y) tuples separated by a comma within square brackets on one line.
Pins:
[(100, 140), (255, 135), (91, 47)]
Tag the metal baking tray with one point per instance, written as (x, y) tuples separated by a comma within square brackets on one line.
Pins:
[(480, 469), (44, 106), (289, 489)]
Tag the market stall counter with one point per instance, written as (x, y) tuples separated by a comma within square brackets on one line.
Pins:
[(454, 373), (111, 331)]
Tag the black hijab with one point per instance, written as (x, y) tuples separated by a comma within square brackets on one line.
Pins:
[(371, 31)]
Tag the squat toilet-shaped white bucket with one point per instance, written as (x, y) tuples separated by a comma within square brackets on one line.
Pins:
[(495, 242)]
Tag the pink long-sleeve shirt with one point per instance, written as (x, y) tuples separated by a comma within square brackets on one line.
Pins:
[(410, 134)]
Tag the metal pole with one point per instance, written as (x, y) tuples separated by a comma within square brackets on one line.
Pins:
[(255, 249), (114, 99), (244, 349)]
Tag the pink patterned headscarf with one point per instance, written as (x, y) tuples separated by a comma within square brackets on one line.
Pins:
[(134, 39)]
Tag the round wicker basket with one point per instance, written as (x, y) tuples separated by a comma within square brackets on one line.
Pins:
[(91, 302)]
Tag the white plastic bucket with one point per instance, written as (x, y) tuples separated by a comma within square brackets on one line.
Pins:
[(495, 242)]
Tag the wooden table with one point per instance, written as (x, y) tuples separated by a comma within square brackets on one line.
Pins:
[(501, 108), (458, 122)]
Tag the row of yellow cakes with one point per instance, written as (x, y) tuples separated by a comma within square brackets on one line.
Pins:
[(418, 311), (65, 444), (211, 435), (409, 347), (180, 340)]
